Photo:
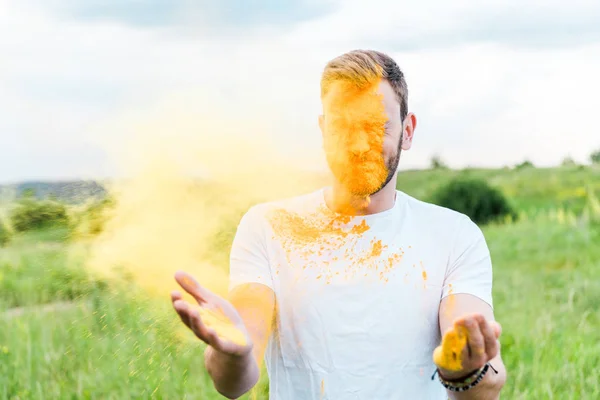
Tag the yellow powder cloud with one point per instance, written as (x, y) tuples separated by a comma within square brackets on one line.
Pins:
[(188, 175)]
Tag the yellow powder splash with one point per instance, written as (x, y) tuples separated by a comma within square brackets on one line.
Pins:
[(377, 249), (423, 272), (222, 326), (187, 177), (305, 237), (449, 354), (354, 127), (451, 303)]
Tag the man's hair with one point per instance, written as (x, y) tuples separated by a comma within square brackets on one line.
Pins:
[(360, 67)]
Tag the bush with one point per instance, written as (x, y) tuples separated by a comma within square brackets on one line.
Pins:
[(475, 198), (437, 163), (32, 214), (568, 162), (525, 164), (90, 221), (595, 157), (5, 234)]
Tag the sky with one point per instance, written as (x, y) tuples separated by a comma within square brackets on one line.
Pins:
[(492, 83)]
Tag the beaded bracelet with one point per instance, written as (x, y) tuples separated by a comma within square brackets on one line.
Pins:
[(467, 383)]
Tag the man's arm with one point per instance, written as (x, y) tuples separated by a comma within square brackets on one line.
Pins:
[(482, 344), (233, 376)]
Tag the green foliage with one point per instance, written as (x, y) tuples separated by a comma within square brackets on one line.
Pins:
[(437, 163), (40, 267), (568, 162), (525, 164), (29, 193), (33, 214), (91, 219), (595, 157), (530, 190), (475, 198), (592, 207), (5, 234), (69, 192)]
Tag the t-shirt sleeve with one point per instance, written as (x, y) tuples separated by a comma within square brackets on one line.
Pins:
[(248, 262), (470, 265)]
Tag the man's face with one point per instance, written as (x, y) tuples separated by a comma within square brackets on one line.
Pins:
[(362, 135)]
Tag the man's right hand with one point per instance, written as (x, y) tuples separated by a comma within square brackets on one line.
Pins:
[(216, 322), (236, 331)]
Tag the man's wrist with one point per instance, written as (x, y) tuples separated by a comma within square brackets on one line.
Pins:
[(233, 375), (226, 358), (456, 376), (465, 383)]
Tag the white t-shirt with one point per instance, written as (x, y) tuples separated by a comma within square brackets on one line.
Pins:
[(357, 299)]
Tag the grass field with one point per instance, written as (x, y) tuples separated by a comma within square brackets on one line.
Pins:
[(104, 341)]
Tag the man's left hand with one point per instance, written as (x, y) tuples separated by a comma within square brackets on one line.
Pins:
[(468, 345)]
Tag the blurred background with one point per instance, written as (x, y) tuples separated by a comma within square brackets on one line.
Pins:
[(135, 134)]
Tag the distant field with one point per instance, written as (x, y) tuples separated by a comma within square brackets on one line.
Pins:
[(115, 343), (531, 189)]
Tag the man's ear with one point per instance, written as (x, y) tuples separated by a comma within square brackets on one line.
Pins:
[(322, 124), (409, 125)]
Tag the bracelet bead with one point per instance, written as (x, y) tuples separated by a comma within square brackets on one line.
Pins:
[(468, 383)]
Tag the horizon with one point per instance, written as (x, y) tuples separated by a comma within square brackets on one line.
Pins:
[(58, 180)]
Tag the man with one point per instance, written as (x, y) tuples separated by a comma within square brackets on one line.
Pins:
[(345, 292)]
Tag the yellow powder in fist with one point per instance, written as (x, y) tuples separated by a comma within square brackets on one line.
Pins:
[(222, 326), (449, 354)]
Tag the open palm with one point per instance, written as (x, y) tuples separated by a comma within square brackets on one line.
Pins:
[(216, 322)]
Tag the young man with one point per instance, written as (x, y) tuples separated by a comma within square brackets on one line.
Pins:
[(345, 292)]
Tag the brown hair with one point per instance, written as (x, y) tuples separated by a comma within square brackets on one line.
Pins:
[(360, 67)]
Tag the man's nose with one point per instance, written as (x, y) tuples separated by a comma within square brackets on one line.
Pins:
[(359, 144)]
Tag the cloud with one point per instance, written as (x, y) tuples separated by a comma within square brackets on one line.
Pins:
[(198, 16), (438, 24), (481, 98)]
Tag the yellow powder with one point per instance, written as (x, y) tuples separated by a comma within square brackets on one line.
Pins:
[(222, 326), (360, 228), (354, 126), (185, 172), (449, 354), (304, 236), (377, 249), (451, 303), (312, 229)]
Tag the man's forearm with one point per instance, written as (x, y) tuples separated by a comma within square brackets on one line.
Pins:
[(233, 376), (488, 389)]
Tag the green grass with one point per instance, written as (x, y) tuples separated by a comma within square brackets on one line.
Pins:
[(112, 348), (113, 344), (118, 344), (547, 296), (40, 267)]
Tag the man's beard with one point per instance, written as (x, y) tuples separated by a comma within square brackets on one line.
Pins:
[(392, 166), (378, 174)]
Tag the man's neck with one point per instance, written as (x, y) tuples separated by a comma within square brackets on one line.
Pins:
[(339, 200)]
